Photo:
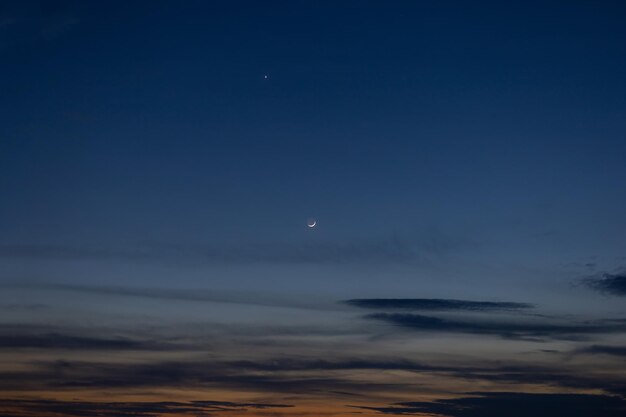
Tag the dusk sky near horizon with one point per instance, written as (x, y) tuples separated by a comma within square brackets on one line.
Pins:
[(161, 163)]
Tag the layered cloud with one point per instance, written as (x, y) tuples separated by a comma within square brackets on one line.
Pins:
[(195, 361), (72, 342), (435, 304), (514, 322), (296, 375), (506, 329), (496, 404), (40, 408), (235, 376), (604, 350)]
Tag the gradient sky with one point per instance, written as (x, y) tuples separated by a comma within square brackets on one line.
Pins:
[(465, 161)]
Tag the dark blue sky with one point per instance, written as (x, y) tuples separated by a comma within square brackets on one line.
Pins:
[(463, 151), (154, 120)]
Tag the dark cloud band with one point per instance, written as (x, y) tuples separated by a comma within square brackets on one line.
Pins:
[(608, 284), (496, 404), (126, 409), (504, 329), (435, 304)]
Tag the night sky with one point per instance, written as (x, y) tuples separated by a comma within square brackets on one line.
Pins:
[(464, 162)]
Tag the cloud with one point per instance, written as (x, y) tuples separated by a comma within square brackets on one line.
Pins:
[(608, 284), (511, 374), (70, 342), (175, 294), (38, 408), (206, 374), (391, 249), (513, 404), (377, 251), (295, 376), (289, 365), (282, 375), (604, 350), (545, 376), (515, 374), (503, 329), (435, 304)]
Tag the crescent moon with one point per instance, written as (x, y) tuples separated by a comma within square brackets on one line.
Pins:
[(312, 224)]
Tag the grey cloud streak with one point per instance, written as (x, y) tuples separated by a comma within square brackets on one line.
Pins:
[(604, 350), (506, 329), (385, 250), (391, 249), (209, 374), (177, 294), (435, 304), (290, 375), (514, 404), (126, 409), (71, 342)]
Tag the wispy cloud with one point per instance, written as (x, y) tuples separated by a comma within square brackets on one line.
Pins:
[(506, 329), (435, 304), (390, 249), (292, 375), (178, 294), (614, 284), (604, 350), (376, 251), (39, 408), (206, 374), (334, 365), (70, 342), (495, 404)]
